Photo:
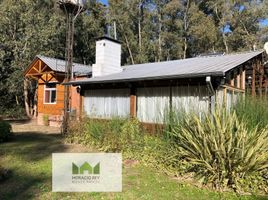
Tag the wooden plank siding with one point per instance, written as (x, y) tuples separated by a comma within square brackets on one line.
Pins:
[(51, 109)]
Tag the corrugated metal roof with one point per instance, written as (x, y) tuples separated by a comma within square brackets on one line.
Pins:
[(185, 68), (59, 65)]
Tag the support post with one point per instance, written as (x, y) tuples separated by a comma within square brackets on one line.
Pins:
[(133, 103), (238, 79), (243, 80), (253, 85)]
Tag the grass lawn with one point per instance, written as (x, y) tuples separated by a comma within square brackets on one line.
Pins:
[(28, 155)]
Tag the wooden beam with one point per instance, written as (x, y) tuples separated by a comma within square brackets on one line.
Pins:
[(40, 66), (232, 82), (225, 96), (49, 79), (133, 106), (44, 68), (253, 84), (261, 78), (233, 88), (238, 79), (38, 74), (133, 103), (243, 80)]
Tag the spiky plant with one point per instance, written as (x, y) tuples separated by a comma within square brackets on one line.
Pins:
[(221, 149)]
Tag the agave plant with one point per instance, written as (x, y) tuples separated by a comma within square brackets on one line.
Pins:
[(221, 148)]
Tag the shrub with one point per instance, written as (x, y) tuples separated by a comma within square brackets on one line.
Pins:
[(5, 131), (221, 148), (15, 112), (127, 136)]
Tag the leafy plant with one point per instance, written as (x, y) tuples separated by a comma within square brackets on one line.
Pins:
[(5, 131), (46, 120), (221, 148)]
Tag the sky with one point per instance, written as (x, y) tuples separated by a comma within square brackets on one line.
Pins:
[(104, 2), (264, 22)]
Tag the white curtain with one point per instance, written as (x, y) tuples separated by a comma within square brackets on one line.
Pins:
[(190, 99), (152, 104), (107, 103)]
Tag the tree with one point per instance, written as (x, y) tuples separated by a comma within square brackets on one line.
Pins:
[(26, 30)]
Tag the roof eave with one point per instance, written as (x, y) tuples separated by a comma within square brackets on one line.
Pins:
[(200, 75)]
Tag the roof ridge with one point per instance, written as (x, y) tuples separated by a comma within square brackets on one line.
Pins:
[(57, 59), (209, 56)]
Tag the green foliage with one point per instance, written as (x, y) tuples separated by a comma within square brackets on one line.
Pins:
[(253, 110), (5, 131), (221, 149), (126, 136), (16, 112)]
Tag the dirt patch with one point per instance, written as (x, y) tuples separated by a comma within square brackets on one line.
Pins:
[(42, 133), (31, 126)]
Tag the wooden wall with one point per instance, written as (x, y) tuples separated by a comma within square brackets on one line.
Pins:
[(51, 109)]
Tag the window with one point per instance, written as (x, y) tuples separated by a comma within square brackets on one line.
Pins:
[(50, 93)]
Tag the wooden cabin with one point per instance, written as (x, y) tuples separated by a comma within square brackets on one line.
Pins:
[(146, 91), (50, 74)]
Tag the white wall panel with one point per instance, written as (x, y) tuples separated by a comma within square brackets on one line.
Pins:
[(152, 103), (107, 103), (190, 99)]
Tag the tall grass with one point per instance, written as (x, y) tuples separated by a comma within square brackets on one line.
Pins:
[(253, 111)]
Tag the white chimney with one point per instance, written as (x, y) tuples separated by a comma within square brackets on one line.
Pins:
[(108, 57)]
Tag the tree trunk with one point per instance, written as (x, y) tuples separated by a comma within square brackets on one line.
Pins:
[(26, 98), (139, 23), (159, 38), (225, 43), (186, 25), (185, 46), (139, 35), (35, 102), (127, 43)]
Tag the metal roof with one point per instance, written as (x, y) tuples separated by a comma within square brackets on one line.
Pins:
[(185, 68), (59, 65)]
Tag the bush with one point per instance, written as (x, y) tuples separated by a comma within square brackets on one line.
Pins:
[(107, 135), (221, 149), (126, 136), (16, 112), (5, 131)]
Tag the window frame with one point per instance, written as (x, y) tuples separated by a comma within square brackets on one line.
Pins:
[(50, 90)]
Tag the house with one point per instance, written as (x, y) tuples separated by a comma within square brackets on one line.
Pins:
[(147, 91), (50, 74)]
